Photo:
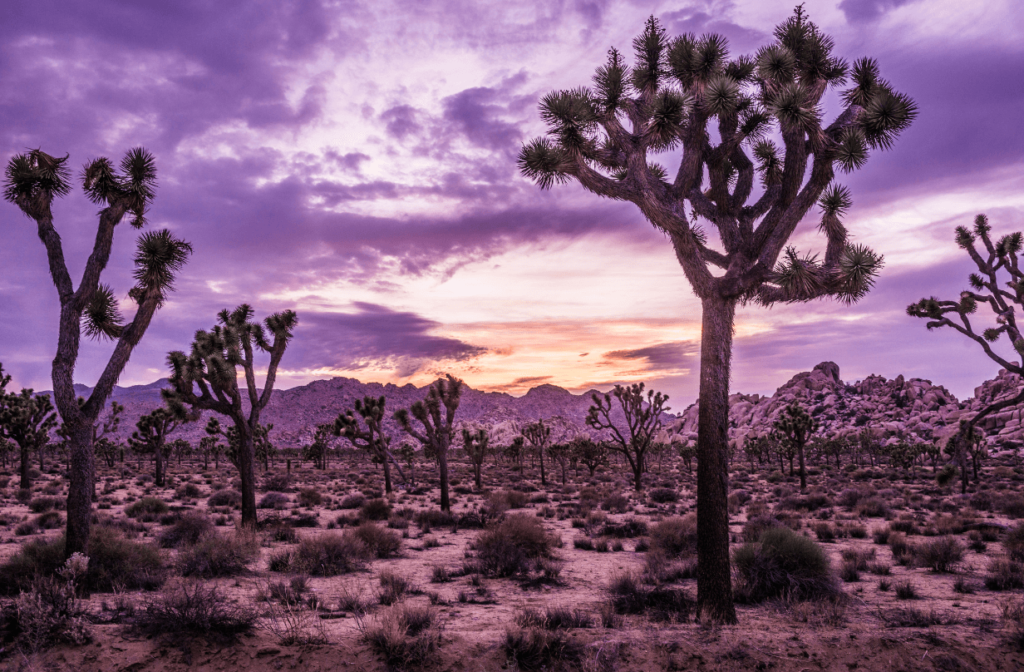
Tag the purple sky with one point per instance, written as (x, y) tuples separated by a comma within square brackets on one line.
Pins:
[(356, 162)]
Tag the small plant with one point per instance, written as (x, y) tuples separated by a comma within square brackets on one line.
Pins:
[(1014, 543), (942, 555), (392, 588), (1004, 574), (310, 497), (381, 542), (194, 609), (403, 635), (440, 574), (631, 595), (274, 500), (375, 509), (228, 498), (535, 648), (554, 618), (352, 501), (783, 563), (905, 590), (330, 554), (675, 537), (50, 613), (216, 555), (663, 495), (188, 530), (509, 547), (147, 506)]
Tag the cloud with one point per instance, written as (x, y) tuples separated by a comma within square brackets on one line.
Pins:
[(376, 336), (659, 357), (863, 11)]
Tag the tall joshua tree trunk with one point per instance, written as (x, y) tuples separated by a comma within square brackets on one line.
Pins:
[(247, 472), (714, 582)]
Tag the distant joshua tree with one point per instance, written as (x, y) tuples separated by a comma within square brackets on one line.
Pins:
[(372, 439), (642, 417), (26, 419), (150, 436), (320, 448), (684, 94), (591, 454), (794, 428), (436, 414), (477, 446), (211, 367), (32, 181), (999, 286), (538, 434)]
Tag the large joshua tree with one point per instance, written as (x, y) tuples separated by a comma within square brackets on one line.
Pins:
[(33, 180), (682, 95), (212, 368), (436, 413), (999, 286)]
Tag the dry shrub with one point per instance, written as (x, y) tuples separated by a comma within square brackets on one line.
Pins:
[(231, 498), (392, 587), (375, 509), (554, 618), (539, 649), (1014, 543), (50, 613), (217, 555), (330, 554), (41, 504), (615, 503), (194, 609), (293, 624), (274, 500), (783, 564), (146, 507), (627, 529), (941, 555), (872, 507), (631, 595), (1005, 574), (675, 537), (381, 542), (310, 497), (509, 547), (758, 525), (403, 635), (1013, 618), (186, 531), (663, 495)]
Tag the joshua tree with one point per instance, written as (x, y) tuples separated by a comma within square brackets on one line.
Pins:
[(318, 450), (998, 285), (794, 427), (642, 416), (514, 452), (372, 439), (209, 445), (104, 446), (150, 436), (562, 454), (476, 445), (437, 435), (685, 93), (590, 453), (26, 419), (32, 181), (538, 435), (212, 367)]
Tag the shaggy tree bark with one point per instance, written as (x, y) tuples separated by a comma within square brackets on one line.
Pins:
[(685, 93), (211, 367), (438, 431), (32, 181)]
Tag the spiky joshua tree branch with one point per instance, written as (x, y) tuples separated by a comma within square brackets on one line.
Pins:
[(999, 286)]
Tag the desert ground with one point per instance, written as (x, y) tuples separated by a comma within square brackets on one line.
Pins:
[(923, 578)]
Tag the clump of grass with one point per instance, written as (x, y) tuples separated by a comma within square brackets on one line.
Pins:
[(783, 563), (554, 618), (229, 498), (310, 497), (1005, 574), (330, 554), (675, 537), (509, 547), (195, 609), (147, 506), (404, 635), (375, 509), (631, 595), (941, 555), (539, 649), (381, 542), (188, 529), (216, 555), (905, 590)]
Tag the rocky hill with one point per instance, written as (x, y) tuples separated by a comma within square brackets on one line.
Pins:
[(911, 410)]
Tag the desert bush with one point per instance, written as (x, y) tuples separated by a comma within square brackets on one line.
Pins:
[(507, 548), (758, 525), (899, 545), (392, 587), (631, 595), (1013, 618), (41, 504), (440, 574), (274, 500), (940, 555), (215, 555), (51, 520), (352, 501), (880, 535), (277, 483), (905, 590), (872, 507), (186, 530), (50, 612), (1004, 574), (583, 543), (310, 497), (432, 518), (231, 498), (615, 503), (675, 537), (783, 563), (380, 542), (947, 475), (629, 528), (194, 609), (26, 528), (276, 529), (554, 618), (375, 509), (539, 649), (403, 635), (663, 495), (188, 491), (824, 532), (330, 554), (1013, 542), (147, 506)]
